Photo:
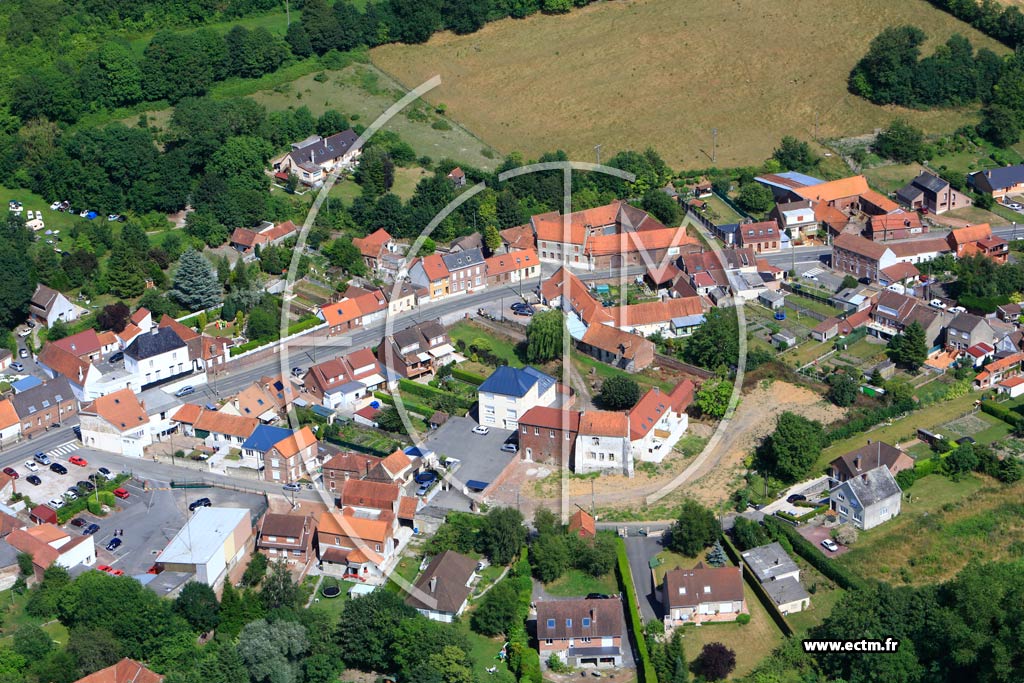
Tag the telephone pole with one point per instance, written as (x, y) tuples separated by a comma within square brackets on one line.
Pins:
[(714, 145), (597, 150)]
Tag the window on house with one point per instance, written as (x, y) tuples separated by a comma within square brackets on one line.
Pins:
[(551, 624), (586, 622), (568, 623)]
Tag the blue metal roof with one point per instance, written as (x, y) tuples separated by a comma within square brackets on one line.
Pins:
[(801, 178), (25, 384), (508, 381), (575, 326), (320, 410), (688, 320), (265, 436)]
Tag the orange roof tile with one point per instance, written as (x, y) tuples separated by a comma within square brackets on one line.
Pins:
[(8, 417), (519, 237), (407, 507), (125, 671), (628, 242), (295, 443), (43, 555), (582, 524), (186, 334), (396, 463), (580, 299), (836, 189), (64, 363), (506, 263), (369, 494), (604, 423), (346, 524), (653, 405), (615, 341), (434, 267), (341, 312), (551, 226), (880, 200), (188, 413), (222, 423), (653, 312), (84, 343), (372, 244), (130, 332), (139, 315), (120, 409), (972, 233)]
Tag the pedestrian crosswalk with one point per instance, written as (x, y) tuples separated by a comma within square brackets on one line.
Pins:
[(813, 273), (63, 449)]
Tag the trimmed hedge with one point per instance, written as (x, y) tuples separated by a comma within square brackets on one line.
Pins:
[(523, 660), (755, 585), (802, 547), (105, 497), (468, 377), (1001, 412), (804, 517), (645, 671)]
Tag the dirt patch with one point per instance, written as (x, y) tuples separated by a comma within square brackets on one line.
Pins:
[(755, 419)]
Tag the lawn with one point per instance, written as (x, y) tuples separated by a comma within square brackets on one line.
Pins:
[(720, 212), (811, 305), (751, 643), (406, 180), (824, 598), (333, 606), (363, 93), (13, 616), (946, 525), (483, 652), (575, 583), (903, 429), (407, 569), (276, 22), (584, 364), (502, 347), (580, 62)]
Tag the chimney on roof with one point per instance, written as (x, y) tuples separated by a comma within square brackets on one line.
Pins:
[(80, 373), (864, 477), (155, 331), (433, 584), (856, 463)]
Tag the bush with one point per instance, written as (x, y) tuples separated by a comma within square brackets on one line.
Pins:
[(743, 619), (467, 377)]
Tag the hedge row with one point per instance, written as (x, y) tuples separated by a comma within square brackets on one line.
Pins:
[(106, 498), (755, 585), (523, 660), (427, 391), (805, 549), (468, 377), (1001, 412), (804, 517), (646, 672)]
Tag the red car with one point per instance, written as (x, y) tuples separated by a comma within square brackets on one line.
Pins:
[(104, 568), (11, 472), (121, 493), (78, 460)]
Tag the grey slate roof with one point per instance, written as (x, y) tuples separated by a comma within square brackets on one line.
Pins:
[(452, 572), (873, 486), (769, 561), (463, 259), (325, 149), (785, 590), (966, 321), (38, 399), (161, 340), (998, 178)]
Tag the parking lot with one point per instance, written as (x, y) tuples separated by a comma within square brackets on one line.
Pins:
[(481, 456), (52, 485), (150, 519)]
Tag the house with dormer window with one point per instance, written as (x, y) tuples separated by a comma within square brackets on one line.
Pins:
[(581, 631), (692, 596)]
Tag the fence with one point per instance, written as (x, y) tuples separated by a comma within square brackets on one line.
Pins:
[(676, 364)]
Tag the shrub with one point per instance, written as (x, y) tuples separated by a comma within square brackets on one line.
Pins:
[(743, 619)]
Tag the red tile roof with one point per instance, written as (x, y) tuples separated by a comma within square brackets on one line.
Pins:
[(434, 267), (186, 334), (507, 263), (653, 312), (120, 409), (604, 423), (519, 237), (551, 418), (84, 343), (582, 524), (125, 671), (653, 405), (371, 245), (615, 341)]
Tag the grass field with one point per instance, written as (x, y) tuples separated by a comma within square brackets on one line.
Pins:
[(660, 73), (364, 91), (947, 524), (575, 583), (503, 348), (751, 643)]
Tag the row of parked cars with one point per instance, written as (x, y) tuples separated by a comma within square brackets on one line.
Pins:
[(81, 488)]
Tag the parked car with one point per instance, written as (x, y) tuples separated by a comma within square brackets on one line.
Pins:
[(87, 486), (122, 493), (34, 479), (937, 303), (25, 332), (481, 430), (77, 522), (112, 217), (31, 466), (292, 486), (90, 530), (422, 490), (58, 468), (796, 497), (509, 447), (185, 391), (55, 503), (23, 353), (41, 458), (70, 494), (116, 357), (114, 544), (830, 545), (78, 460), (17, 367), (297, 372), (107, 474), (77, 431), (11, 472), (200, 503)]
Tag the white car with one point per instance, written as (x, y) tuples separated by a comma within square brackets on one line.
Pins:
[(55, 206), (830, 545), (55, 503), (31, 466), (937, 303), (481, 430)]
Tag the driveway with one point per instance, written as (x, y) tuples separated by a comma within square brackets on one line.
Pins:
[(817, 534), (640, 550), (480, 455)]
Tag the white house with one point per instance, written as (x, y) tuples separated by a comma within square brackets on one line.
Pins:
[(658, 421), (48, 545), (157, 356), (116, 423), (312, 159), (209, 545), (867, 500), (602, 444), (48, 306), (779, 575), (510, 392)]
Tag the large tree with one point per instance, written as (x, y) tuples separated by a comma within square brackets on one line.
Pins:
[(795, 155), (368, 631), (715, 344), (544, 336), (900, 142), (712, 399), (842, 388), (755, 198), (498, 610), (619, 392), (195, 284), (696, 528), (715, 662), (272, 651), (197, 603), (791, 450), (502, 535), (910, 348)]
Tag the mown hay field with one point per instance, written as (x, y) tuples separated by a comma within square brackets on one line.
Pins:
[(663, 73)]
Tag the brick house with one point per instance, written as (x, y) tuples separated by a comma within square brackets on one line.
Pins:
[(867, 457), (286, 536), (629, 352), (928, 192), (761, 237), (291, 458), (895, 226), (48, 404), (693, 596), (466, 271), (544, 433), (581, 631)]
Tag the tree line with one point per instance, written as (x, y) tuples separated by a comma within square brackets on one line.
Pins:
[(893, 72)]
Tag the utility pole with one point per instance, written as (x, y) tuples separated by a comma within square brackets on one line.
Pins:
[(597, 149), (287, 14), (815, 125), (714, 145)]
